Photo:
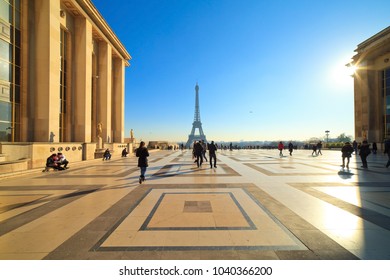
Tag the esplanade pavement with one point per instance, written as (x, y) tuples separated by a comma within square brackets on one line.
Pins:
[(254, 205)]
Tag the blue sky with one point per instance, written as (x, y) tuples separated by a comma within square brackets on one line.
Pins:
[(266, 69)]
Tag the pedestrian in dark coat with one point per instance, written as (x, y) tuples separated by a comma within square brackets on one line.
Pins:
[(198, 152), (212, 150), (387, 151), (290, 148), (364, 152), (142, 154), (346, 152), (374, 148)]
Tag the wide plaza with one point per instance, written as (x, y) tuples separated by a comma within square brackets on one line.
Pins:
[(254, 205)]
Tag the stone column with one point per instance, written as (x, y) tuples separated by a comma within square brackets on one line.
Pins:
[(118, 100), (47, 70), (104, 89), (83, 80)]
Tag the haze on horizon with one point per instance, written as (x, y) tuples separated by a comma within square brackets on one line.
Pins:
[(266, 70)]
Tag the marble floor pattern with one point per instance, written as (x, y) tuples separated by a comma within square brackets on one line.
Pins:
[(254, 205)]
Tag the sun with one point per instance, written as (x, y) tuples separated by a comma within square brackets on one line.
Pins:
[(341, 75)]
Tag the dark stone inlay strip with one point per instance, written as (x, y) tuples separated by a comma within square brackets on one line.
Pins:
[(53, 204), (21, 204), (165, 171), (269, 173), (372, 216)]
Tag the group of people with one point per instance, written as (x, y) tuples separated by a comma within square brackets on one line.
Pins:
[(57, 162), (199, 152), (281, 148), (364, 151)]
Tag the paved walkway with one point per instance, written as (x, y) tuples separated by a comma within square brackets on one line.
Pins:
[(254, 205)]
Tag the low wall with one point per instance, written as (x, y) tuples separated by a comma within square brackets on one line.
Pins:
[(13, 166), (35, 154)]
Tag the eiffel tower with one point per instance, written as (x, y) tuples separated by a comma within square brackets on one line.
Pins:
[(197, 123)]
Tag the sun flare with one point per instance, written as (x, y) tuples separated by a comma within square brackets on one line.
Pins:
[(342, 75)]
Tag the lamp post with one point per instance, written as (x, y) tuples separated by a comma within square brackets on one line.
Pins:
[(327, 136)]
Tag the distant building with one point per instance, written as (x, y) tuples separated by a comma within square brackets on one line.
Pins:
[(62, 72), (372, 88)]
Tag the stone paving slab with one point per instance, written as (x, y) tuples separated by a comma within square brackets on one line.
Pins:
[(254, 205)]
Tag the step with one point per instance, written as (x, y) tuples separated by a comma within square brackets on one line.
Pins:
[(13, 166), (2, 158)]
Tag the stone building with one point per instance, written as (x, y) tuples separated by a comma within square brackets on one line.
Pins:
[(372, 88), (62, 73)]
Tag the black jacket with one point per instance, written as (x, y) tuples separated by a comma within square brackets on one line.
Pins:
[(212, 149), (198, 149), (142, 154)]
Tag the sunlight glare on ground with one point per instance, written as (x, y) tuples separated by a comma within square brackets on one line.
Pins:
[(343, 225)]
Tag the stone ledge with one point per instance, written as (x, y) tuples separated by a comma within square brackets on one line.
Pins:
[(13, 166)]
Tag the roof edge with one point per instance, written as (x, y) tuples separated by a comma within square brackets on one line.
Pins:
[(98, 19)]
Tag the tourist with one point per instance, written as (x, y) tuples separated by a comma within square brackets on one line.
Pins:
[(387, 151), (346, 152), (319, 147), (355, 146), (62, 160), (280, 148), (290, 148), (198, 152), (124, 152), (314, 147), (204, 146), (212, 150), (52, 162), (374, 148), (193, 152), (364, 152), (107, 155), (142, 154)]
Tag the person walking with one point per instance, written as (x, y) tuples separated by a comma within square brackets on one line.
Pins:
[(142, 154), (364, 152), (387, 151), (280, 148), (290, 148), (319, 147), (204, 146), (198, 152), (346, 152), (374, 148), (355, 146), (212, 150), (314, 153)]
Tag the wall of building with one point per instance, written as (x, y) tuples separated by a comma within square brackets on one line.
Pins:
[(371, 60), (66, 39)]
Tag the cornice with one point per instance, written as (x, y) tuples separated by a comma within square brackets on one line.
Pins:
[(99, 21)]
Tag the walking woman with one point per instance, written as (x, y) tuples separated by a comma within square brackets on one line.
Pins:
[(142, 154)]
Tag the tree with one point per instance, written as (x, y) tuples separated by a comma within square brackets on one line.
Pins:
[(344, 138)]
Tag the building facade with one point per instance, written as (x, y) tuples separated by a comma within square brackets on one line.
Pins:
[(62, 74), (372, 88)]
